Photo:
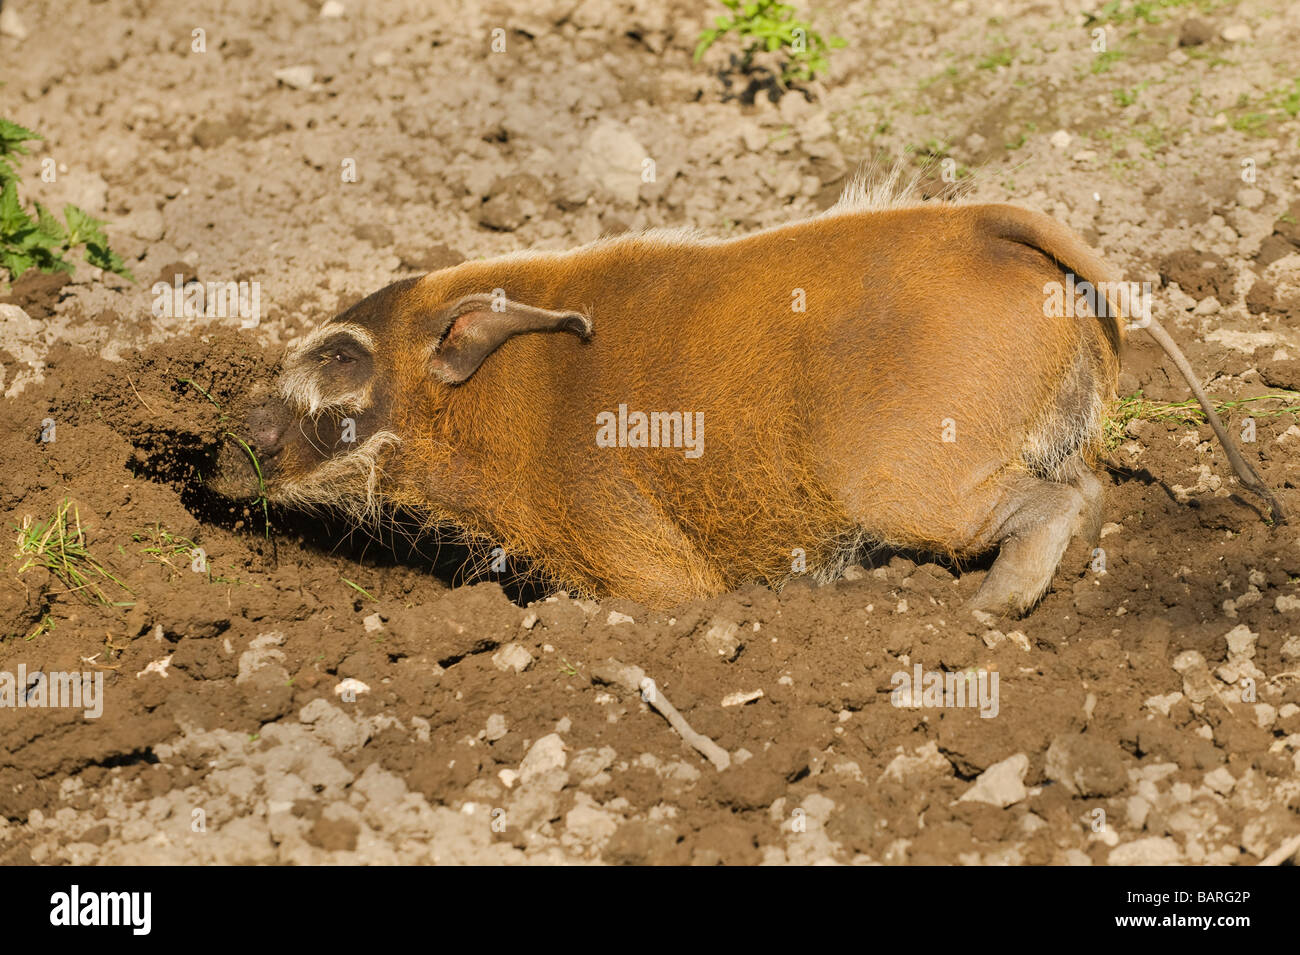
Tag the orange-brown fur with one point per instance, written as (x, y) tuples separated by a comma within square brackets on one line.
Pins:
[(823, 429)]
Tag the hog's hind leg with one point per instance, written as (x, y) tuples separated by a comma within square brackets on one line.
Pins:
[(1039, 518)]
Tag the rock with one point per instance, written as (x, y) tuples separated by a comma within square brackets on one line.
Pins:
[(297, 77), (1002, 784), (1163, 704), (590, 824), (911, 769), (11, 24), (261, 653), (1195, 32), (611, 162), (1265, 715), (512, 201), (416, 253), (740, 699), (1060, 139), (496, 727), (1241, 643), (1152, 851), (616, 618), (350, 688), (1198, 685), (373, 623), (1087, 766), (1236, 33), (332, 10), (530, 620), (512, 657), (376, 233), (1286, 604), (722, 638), (1291, 649), (146, 224), (545, 755), (1220, 780), (335, 727)]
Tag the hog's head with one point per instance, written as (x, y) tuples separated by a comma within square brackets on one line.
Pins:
[(357, 390)]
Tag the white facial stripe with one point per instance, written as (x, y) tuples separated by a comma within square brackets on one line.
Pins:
[(329, 329), (300, 385)]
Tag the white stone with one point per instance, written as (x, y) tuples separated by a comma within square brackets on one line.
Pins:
[(297, 77), (351, 687), (611, 161), (1150, 851), (1002, 784), (542, 757), (1221, 781), (11, 25), (512, 657)]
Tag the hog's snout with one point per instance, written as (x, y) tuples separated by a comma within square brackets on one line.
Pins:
[(265, 428), (249, 450)]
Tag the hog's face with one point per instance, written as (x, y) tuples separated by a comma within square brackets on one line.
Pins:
[(332, 430), (324, 433)]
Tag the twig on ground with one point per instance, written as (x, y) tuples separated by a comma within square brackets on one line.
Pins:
[(137, 394), (1283, 852), (633, 678)]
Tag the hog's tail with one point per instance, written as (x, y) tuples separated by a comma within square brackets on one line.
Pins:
[(1071, 254)]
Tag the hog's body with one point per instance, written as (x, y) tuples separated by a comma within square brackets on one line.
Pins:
[(923, 399), (921, 388)]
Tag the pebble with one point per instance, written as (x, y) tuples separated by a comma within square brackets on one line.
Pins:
[(11, 24), (1152, 851), (542, 757), (297, 77), (1002, 784), (512, 657), (721, 639)]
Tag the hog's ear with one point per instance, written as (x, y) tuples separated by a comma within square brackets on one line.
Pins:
[(474, 326)]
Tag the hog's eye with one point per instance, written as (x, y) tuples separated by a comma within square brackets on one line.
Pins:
[(343, 358)]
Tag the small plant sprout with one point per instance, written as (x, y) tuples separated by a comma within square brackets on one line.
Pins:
[(175, 553), (769, 26), (200, 389), (59, 545), (359, 589), (261, 482)]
